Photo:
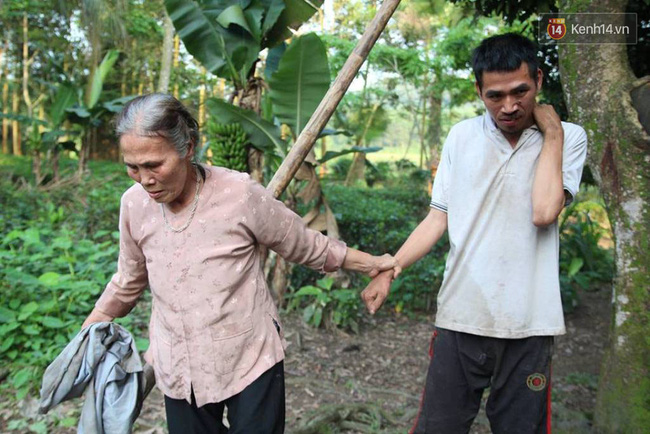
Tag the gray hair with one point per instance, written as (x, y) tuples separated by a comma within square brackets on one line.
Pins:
[(159, 115)]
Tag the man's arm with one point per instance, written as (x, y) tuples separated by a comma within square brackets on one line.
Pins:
[(548, 191), (418, 244)]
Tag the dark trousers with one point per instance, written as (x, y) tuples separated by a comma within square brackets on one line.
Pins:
[(462, 366), (259, 408)]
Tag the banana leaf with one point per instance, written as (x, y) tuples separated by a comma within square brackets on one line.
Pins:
[(100, 75), (301, 82)]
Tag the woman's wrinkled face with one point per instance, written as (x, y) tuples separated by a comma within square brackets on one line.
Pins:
[(154, 163)]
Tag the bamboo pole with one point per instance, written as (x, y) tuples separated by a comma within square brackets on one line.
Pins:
[(328, 105)]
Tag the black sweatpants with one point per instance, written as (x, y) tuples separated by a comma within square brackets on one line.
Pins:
[(259, 409), (517, 371)]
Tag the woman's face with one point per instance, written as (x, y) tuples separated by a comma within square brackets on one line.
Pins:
[(155, 164)]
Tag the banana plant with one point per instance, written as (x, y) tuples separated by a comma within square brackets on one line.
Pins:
[(227, 36), (88, 110)]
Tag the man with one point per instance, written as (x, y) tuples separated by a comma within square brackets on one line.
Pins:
[(503, 179)]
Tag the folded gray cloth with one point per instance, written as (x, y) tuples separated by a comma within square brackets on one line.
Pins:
[(105, 355)]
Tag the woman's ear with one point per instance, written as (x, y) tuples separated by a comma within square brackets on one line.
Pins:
[(191, 150)]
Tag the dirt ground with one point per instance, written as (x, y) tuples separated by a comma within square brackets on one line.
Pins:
[(371, 382)]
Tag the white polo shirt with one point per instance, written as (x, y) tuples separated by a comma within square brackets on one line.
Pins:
[(502, 273)]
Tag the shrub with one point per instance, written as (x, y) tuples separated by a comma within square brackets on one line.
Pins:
[(378, 221), (584, 262), (58, 249), (324, 305)]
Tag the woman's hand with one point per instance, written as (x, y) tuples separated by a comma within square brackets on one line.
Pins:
[(96, 316), (356, 260), (383, 263)]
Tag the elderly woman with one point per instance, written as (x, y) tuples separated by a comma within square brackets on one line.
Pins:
[(192, 234)]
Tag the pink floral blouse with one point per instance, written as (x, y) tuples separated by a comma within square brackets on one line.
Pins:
[(212, 322)]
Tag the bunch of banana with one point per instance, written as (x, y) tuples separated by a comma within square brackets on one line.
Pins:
[(229, 146)]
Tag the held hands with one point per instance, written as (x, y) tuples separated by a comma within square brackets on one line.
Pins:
[(383, 263), (547, 119), (385, 269)]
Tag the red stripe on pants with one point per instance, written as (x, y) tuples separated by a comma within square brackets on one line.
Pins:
[(548, 401), (417, 418)]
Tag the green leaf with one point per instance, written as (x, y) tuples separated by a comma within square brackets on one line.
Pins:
[(318, 316), (308, 313), (100, 75), (308, 290), (142, 344), (233, 15), (29, 308), (325, 283), (301, 81), (80, 111), (329, 155), (39, 427), (116, 105), (6, 344), (22, 392), (68, 422), (295, 13), (575, 266), (254, 15), (224, 52), (330, 132), (21, 377), (49, 279), (66, 96), (262, 134), (199, 33), (7, 315), (52, 323), (31, 330), (274, 10), (273, 59), (23, 119)]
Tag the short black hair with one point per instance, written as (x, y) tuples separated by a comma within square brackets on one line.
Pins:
[(504, 53)]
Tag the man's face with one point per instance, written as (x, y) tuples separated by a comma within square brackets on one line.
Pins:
[(509, 97)]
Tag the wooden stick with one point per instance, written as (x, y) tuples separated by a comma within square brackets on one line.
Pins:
[(326, 108)]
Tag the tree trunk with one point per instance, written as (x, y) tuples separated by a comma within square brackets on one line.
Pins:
[(356, 173), (603, 96), (35, 151), (250, 98), (167, 53), (3, 49), (15, 126), (357, 170), (177, 46), (5, 121)]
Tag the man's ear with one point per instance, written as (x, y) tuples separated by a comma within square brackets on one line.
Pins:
[(540, 79), (478, 89)]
